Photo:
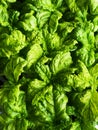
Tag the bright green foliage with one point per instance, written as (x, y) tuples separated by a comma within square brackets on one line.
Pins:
[(48, 65), (28, 21), (14, 68), (61, 61), (11, 44)]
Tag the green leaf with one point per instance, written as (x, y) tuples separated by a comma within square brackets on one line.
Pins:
[(95, 22), (58, 3), (94, 71), (48, 64), (60, 102), (3, 15), (96, 42), (11, 1), (16, 124), (28, 22), (61, 62), (90, 108), (12, 44), (14, 68), (33, 54), (93, 6), (43, 105), (44, 4), (13, 102), (21, 124), (43, 71), (54, 20), (83, 78), (72, 5), (9, 126), (13, 16), (94, 74), (86, 105), (53, 41), (75, 126), (86, 55), (43, 17), (35, 86)]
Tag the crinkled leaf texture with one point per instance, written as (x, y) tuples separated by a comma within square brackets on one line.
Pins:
[(14, 68), (48, 65)]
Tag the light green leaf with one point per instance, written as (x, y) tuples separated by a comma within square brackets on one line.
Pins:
[(72, 5), (35, 86), (43, 17), (90, 109), (96, 42), (53, 41), (94, 71), (61, 61), (83, 79), (87, 55), (43, 105), (28, 21), (54, 20), (44, 4), (3, 16), (11, 1), (33, 54), (60, 102), (75, 126), (86, 105), (95, 22), (14, 68), (13, 102), (12, 44), (94, 74), (93, 6), (43, 71)]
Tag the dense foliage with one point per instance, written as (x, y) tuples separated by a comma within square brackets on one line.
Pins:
[(48, 64)]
